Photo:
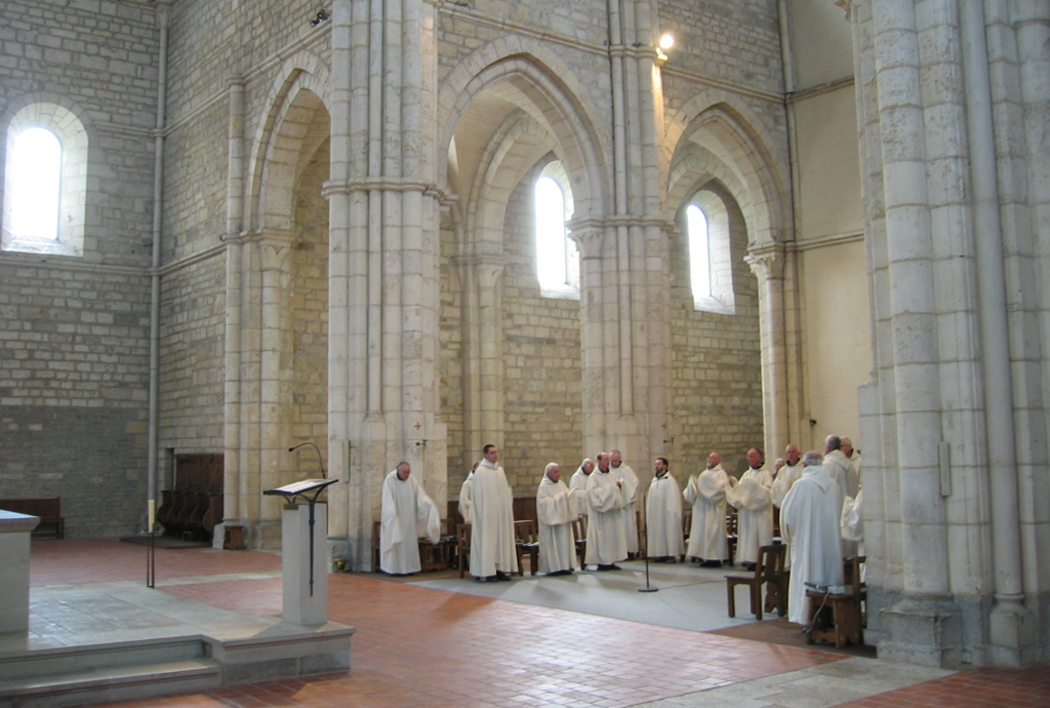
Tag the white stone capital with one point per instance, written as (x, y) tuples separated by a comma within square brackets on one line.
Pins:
[(767, 262)]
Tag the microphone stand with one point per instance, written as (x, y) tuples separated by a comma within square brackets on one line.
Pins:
[(320, 458), (647, 588)]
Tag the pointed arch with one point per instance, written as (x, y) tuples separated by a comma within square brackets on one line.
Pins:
[(287, 138), (716, 135), (534, 79)]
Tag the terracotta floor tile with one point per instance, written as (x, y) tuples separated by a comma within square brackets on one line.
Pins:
[(418, 646)]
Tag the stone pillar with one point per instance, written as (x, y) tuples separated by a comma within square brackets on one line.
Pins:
[(767, 263), (924, 625), (383, 282)]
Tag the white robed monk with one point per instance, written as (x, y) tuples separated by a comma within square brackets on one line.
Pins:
[(606, 535), (663, 515), (851, 523), (707, 495), (836, 464), (556, 510), (810, 524), (630, 492), (579, 482), (790, 473), (466, 497), (754, 518), (853, 477), (407, 514), (492, 552)]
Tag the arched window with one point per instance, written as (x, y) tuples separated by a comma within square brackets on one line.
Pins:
[(557, 259), (45, 181), (710, 217), (699, 254)]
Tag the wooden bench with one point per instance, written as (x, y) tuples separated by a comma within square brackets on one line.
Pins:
[(49, 510)]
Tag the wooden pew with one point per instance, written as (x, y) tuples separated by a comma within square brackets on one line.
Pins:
[(48, 509)]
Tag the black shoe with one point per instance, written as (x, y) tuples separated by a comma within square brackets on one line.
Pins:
[(608, 566), (487, 579), (500, 575)]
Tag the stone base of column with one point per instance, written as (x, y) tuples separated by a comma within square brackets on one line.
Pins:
[(926, 632), (1011, 635)]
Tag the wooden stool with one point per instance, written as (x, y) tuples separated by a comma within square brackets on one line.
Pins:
[(834, 618)]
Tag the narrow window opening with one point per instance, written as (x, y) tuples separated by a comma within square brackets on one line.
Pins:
[(34, 184), (557, 259), (699, 255)]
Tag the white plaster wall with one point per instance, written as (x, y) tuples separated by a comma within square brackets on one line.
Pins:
[(837, 335), (821, 42), (828, 187)]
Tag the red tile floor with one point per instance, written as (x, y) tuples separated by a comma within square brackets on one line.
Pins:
[(418, 646)]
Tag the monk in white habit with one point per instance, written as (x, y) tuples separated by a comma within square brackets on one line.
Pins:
[(707, 495), (790, 473), (809, 523), (630, 491), (853, 478), (407, 514), (663, 515), (492, 552), (851, 523), (579, 481), (466, 498), (606, 534), (754, 505), (836, 464), (556, 510)]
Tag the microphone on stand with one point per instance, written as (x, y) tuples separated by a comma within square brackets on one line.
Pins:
[(320, 459), (647, 588)]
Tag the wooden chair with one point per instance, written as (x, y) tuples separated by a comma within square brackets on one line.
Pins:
[(435, 556), (463, 547), (527, 540), (838, 618), (375, 545), (579, 533), (768, 571), (731, 524)]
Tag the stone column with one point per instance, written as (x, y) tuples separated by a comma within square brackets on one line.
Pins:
[(383, 283), (923, 626), (767, 263)]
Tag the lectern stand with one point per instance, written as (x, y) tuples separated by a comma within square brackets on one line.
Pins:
[(304, 534)]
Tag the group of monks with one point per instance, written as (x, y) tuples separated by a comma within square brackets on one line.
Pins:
[(818, 496)]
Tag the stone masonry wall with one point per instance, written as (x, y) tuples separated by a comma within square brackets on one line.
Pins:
[(193, 322), (74, 331), (542, 361), (73, 392), (717, 375)]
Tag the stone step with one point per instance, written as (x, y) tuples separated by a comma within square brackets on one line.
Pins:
[(54, 678)]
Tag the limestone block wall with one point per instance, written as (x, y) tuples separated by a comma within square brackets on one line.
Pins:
[(452, 384), (210, 44), (73, 391), (192, 333), (542, 362), (308, 360), (716, 371), (727, 40), (74, 330)]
